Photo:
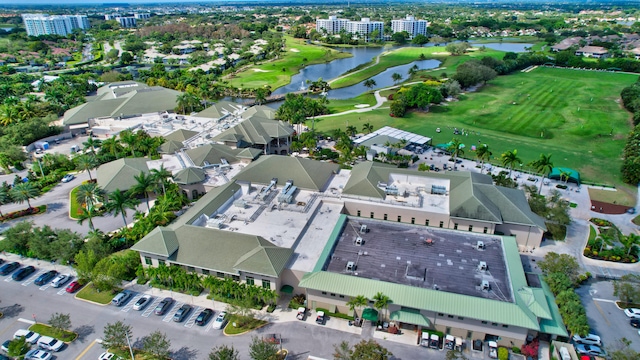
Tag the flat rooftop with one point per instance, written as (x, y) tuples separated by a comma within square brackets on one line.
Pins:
[(434, 258)]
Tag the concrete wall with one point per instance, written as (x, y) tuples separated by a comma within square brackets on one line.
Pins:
[(527, 237), (292, 278), (51, 140)]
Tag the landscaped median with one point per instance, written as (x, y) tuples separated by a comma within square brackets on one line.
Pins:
[(93, 295), (46, 330), (25, 212), (239, 324)]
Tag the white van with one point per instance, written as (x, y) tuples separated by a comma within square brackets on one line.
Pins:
[(121, 298)]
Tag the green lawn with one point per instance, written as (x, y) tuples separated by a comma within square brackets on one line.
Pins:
[(611, 197), (572, 114), (74, 205), (46, 330), (249, 324), (90, 293), (336, 106), (271, 73)]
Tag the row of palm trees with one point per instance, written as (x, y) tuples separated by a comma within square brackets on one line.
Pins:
[(380, 302)]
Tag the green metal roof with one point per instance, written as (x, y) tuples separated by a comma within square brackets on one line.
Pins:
[(535, 300), (209, 203), (170, 147), (180, 135), (513, 206), (573, 175), (305, 173), (160, 241), (410, 316), (555, 325), (261, 111), (218, 110), (256, 130), (328, 248), (211, 154), (119, 174), (190, 175)]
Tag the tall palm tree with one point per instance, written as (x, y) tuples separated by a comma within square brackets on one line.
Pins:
[(87, 214), (351, 130), (357, 302), (91, 144), (118, 203), (160, 176), (145, 184), (381, 302), (367, 128), (87, 163), (5, 198), (369, 84), (565, 175), (630, 241), (129, 138), (24, 192), (396, 77), (111, 146), (483, 154), (509, 159), (8, 114), (456, 149), (89, 194), (543, 165)]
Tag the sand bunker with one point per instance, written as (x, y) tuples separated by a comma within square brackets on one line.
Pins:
[(294, 50), (441, 53), (360, 106), (260, 70)]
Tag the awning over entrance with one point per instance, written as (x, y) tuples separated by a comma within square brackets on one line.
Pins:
[(370, 314), (287, 289), (410, 317)]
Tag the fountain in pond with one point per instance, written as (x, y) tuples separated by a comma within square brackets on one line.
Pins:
[(302, 87)]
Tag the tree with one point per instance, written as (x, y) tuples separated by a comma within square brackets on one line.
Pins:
[(420, 39), (118, 203), (91, 144), (381, 302), (160, 176), (351, 130), (627, 289), (396, 77), (357, 302), (565, 175), (24, 192), (5, 198), (18, 347), (543, 165), (483, 154), (87, 163), (367, 128), (145, 184), (126, 58), (400, 37), (115, 335), (157, 344), (456, 149), (369, 84), (85, 262), (370, 350), (224, 352), (510, 159), (60, 322), (342, 351), (623, 351), (560, 263), (262, 350)]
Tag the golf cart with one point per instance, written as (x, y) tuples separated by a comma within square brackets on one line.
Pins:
[(424, 339), (493, 349), (434, 343), (449, 342), (301, 313)]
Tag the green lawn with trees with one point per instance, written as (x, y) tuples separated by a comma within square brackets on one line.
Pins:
[(574, 115)]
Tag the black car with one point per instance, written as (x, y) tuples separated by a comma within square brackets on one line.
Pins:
[(204, 316), (23, 273), (46, 277), (163, 306), (635, 322), (7, 269)]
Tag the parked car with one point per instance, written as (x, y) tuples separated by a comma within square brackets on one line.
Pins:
[(50, 344), (108, 356), (29, 336), (163, 306), (60, 280), (635, 322), (8, 268), (590, 350), (142, 302), (23, 273), (73, 287), (68, 178), (46, 277), (37, 355), (5, 346), (302, 312), (320, 318), (182, 313), (204, 317), (632, 313), (220, 321), (590, 339), (121, 298), (4, 357)]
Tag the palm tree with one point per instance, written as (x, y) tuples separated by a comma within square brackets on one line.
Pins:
[(111, 146), (509, 159), (369, 84), (8, 114), (367, 128), (483, 154), (118, 203), (630, 241), (381, 302), (396, 77), (24, 192), (160, 176), (543, 165), (89, 194), (5, 198), (565, 175), (145, 184), (91, 144), (86, 163), (455, 148), (130, 139), (605, 239), (357, 302), (351, 130), (413, 70), (87, 214)]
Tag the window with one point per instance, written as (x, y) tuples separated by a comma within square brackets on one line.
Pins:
[(250, 280), (485, 230), (455, 226), (324, 293), (385, 216), (450, 316), (505, 326), (441, 223), (358, 213), (219, 274), (484, 322), (440, 314), (413, 220), (147, 260), (460, 318), (334, 295), (235, 277), (266, 284), (341, 296), (205, 272), (191, 269), (470, 227), (426, 222), (494, 324), (371, 215), (399, 218)]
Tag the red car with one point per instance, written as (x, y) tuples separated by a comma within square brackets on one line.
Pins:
[(73, 287)]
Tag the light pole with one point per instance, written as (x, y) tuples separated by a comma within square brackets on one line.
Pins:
[(129, 343)]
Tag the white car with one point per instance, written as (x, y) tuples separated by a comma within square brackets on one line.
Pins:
[(142, 302), (632, 313), (49, 343), (108, 356), (590, 339), (30, 336), (37, 355), (60, 280), (220, 321)]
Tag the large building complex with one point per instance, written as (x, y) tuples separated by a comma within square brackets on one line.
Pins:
[(443, 246), (44, 24), (332, 25), (409, 24), (364, 28)]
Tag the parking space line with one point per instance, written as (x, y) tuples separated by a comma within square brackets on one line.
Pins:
[(32, 278), (62, 291), (8, 278), (172, 312), (130, 303), (151, 307), (45, 287), (192, 319)]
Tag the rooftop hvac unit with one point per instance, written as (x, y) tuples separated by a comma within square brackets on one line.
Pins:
[(480, 245), (351, 266), (359, 241), (482, 266), (363, 229), (438, 190), (485, 285)]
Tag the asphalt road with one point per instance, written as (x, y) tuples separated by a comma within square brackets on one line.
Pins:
[(22, 302)]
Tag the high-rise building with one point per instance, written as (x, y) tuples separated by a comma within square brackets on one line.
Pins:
[(141, 15), (332, 25), (44, 24), (365, 27), (410, 25), (126, 21)]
